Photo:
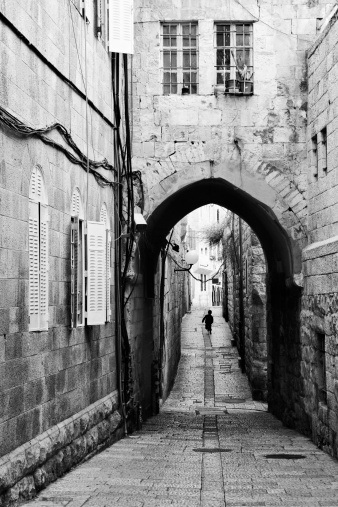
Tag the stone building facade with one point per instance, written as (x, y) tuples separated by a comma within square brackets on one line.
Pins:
[(244, 301), (208, 128), (222, 98), (203, 224), (319, 332), (58, 394)]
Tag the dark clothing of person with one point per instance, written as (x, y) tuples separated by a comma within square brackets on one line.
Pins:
[(208, 321)]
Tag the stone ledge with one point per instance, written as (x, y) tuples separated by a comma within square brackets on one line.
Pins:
[(32, 466), (321, 248)]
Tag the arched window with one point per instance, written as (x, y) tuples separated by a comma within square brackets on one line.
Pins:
[(77, 260), (104, 217), (38, 253)]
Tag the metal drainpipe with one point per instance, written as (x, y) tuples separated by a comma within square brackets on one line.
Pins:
[(118, 252)]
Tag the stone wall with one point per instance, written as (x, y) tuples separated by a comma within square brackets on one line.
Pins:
[(319, 332), (45, 458), (257, 144), (253, 295), (154, 327), (50, 376), (170, 131)]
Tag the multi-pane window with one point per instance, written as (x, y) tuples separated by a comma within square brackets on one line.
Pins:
[(234, 56), (38, 253), (179, 58)]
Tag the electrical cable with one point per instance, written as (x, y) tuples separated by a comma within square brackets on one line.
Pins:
[(19, 128), (194, 277)]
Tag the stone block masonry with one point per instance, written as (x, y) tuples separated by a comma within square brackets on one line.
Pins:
[(319, 330), (58, 401), (43, 459)]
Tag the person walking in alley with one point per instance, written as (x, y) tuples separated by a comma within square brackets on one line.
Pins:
[(208, 321)]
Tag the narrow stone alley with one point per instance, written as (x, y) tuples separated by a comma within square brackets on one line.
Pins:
[(210, 446)]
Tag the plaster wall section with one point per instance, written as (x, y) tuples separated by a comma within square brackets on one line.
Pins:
[(173, 131), (319, 330)]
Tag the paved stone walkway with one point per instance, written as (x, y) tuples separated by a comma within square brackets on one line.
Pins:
[(211, 446)]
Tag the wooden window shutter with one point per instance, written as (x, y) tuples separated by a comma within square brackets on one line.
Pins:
[(96, 273), (104, 216), (99, 16), (36, 185), (87, 5), (121, 26), (108, 275), (34, 266), (43, 266)]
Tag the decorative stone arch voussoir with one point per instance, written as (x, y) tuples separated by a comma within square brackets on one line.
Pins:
[(260, 194)]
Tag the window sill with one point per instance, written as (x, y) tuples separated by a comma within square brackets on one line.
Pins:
[(238, 93)]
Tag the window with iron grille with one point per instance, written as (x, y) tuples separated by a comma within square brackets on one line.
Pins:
[(234, 57), (179, 58)]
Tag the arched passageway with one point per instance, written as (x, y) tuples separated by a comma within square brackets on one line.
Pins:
[(283, 257)]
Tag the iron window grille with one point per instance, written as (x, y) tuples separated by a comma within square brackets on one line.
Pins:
[(179, 58), (234, 57)]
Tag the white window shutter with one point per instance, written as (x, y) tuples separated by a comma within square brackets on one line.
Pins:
[(96, 273), (104, 215), (36, 185), (87, 5), (121, 26), (43, 266), (77, 208), (100, 15), (34, 261), (108, 276)]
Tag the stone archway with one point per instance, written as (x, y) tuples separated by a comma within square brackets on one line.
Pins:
[(276, 210)]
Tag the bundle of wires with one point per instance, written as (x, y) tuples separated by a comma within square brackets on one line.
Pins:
[(20, 129)]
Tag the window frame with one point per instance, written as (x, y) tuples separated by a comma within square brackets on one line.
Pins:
[(182, 88), (77, 252), (234, 83)]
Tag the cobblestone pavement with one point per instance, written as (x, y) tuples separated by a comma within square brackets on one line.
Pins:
[(211, 445)]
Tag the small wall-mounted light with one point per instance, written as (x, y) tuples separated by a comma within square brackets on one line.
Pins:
[(191, 258), (140, 223)]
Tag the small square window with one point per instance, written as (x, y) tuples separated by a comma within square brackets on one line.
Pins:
[(314, 156), (323, 150)]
